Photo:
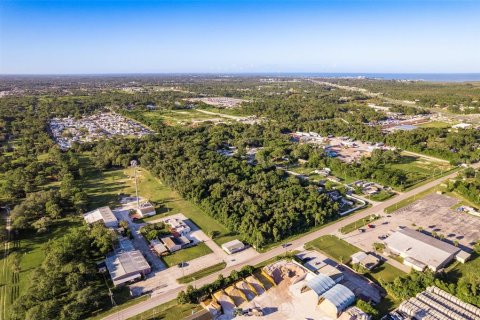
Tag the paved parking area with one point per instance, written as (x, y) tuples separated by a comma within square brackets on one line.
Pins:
[(433, 213)]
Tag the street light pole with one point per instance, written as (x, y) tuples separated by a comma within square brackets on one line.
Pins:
[(134, 164)]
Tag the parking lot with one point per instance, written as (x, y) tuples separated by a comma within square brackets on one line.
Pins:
[(433, 213)]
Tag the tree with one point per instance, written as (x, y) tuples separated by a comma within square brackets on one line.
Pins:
[(366, 307), (52, 209)]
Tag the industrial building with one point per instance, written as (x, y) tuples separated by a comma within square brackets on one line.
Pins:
[(103, 214), (126, 266), (233, 246), (422, 251), (332, 298), (434, 303)]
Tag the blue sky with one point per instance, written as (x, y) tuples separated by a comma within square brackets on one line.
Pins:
[(239, 36)]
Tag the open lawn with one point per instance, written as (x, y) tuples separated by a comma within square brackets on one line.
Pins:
[(333, 247), (179, 117), (103, 189), (187, 254), (419, 169), (385, 273), (168, 311), (202, 273)]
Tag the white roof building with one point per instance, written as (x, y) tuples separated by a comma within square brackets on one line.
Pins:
[(233, 246), (420, 250), (126, 266), (434, 303), (104, 214)]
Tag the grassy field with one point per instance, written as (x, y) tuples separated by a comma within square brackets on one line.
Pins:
[(435, 124), (357, 224), (202, 273), (103, 189), (419, 169), (180, 117), (29, 250), (187, 254), (168, 311), (333, 247)]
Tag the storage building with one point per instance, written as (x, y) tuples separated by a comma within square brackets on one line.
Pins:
[(103, 214), (420, 250), (126, 266), (233, 246)]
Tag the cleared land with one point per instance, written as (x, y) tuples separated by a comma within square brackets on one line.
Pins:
[(181, 117)]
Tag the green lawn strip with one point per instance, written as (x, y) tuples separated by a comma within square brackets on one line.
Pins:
[(202, 273), (168, 311), (186, 254), (357, 224), (406, 202), (121, 304)]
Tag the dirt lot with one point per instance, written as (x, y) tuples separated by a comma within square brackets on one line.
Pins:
[(432, 213)]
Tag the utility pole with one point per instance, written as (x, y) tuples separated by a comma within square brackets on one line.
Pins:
[(134, 164)]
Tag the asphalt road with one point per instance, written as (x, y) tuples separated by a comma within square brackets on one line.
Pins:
[(162, 297)]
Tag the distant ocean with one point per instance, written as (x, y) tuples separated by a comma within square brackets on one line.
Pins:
[(436, 77)]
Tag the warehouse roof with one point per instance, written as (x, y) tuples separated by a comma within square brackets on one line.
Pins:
[(421, 247), (320, 283), (234, 244), (102, 213), (435, 303), (126, 265), (340, 296)]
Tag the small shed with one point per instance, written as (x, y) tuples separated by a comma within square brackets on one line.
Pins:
[(233, 246)]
